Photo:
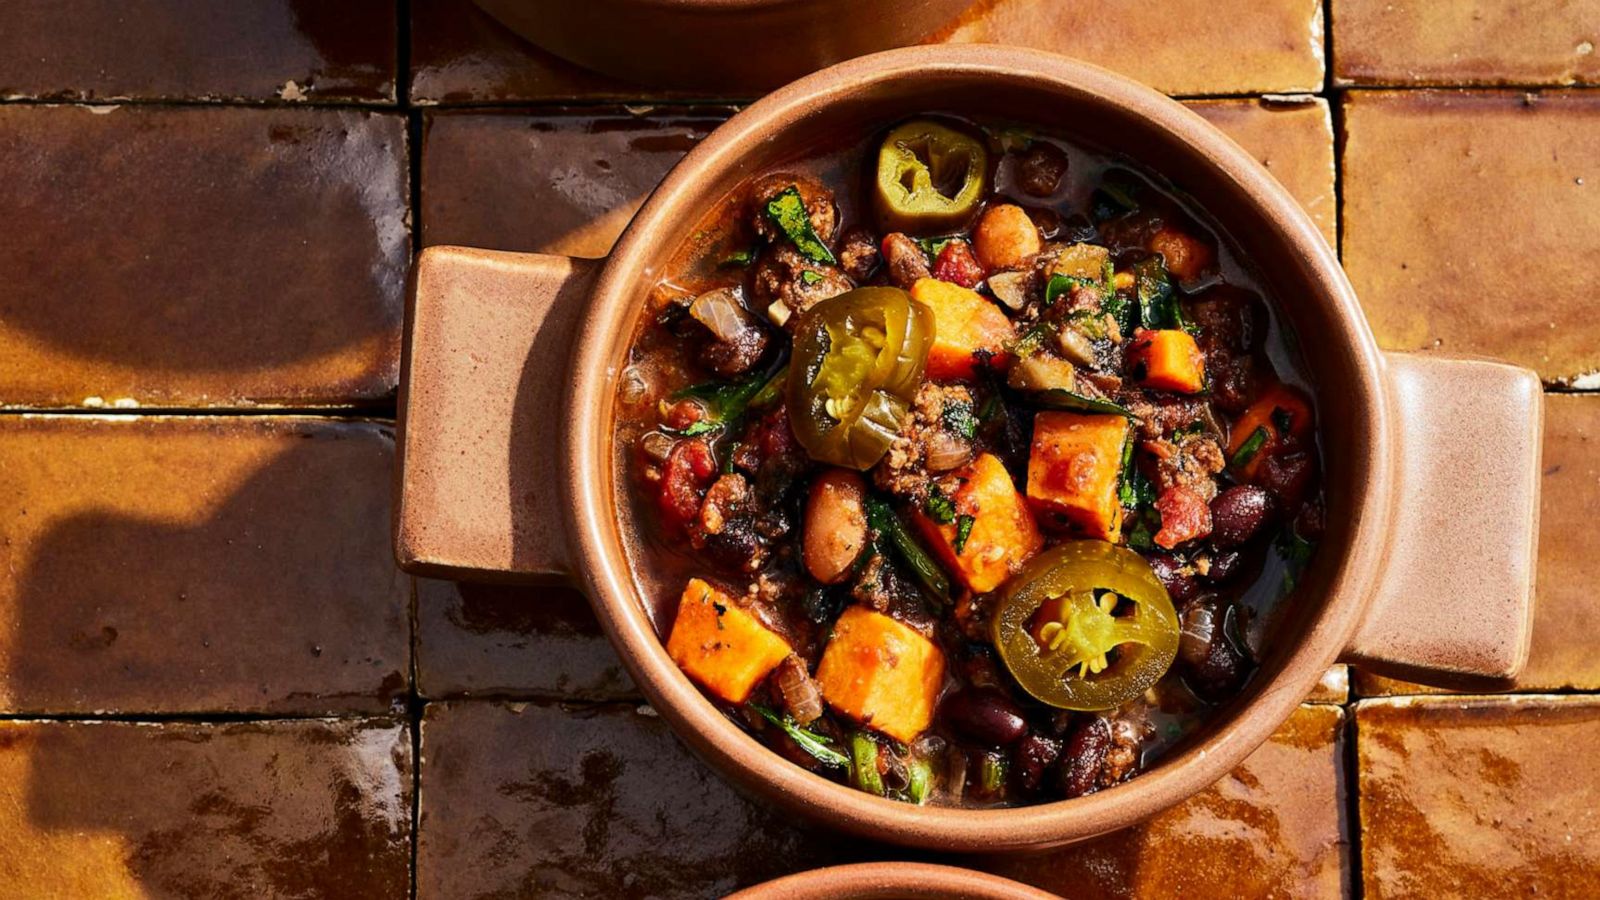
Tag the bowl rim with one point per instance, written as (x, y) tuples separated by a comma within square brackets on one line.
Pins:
[(891, 879), (603, 570)]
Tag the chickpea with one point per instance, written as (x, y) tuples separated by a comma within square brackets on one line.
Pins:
[(1005, 238)]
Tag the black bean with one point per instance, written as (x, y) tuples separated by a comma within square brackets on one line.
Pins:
[(1237, 514), (983, 715), (1032, 756), (1083, 757), (1224, 566), (1041, 168), (1168, 570), (1213, 665)]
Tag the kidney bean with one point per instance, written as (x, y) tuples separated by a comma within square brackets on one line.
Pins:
[(983, 715), (1287, 475), (1083, 756), (1202, 624), (1032, 756), (1238, 513), (1169, 571)]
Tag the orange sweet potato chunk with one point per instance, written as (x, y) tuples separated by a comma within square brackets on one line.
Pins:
[(1289, 404), (1169, 360), (964, 324), (724, 649), (1003, 534), (881, 673), (1073, 470)]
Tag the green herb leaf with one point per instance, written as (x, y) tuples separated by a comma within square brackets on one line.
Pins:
[(938, 507), (812, 743), (810, 276), (1193, 428), (788, 212), (1158, 303), (1031, 340), (1248, 450), (919, 781), (1141, 536), (1061, 398), (738, 259), (933, 246), (1116, 195), (1295, 551), (726, 402), (864, 764), (963, 531), (992, 773), (883, 520), (958, 419)]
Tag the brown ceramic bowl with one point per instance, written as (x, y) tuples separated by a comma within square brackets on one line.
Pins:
[(892, 881), (1432, 463), (719, 45)]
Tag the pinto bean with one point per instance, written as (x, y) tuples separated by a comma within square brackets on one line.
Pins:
[(1238, 514), (836, 525), (904, 260)]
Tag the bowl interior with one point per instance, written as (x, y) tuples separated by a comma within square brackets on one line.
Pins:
[(1078, 102)]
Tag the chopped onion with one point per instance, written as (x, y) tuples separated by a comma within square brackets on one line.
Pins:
[(946, 452), (721, 312), (1010, 288), (656, 445), (1075, 345)]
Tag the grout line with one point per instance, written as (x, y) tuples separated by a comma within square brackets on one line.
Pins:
[(203, 103), (201, 718), (385, 412), (1352, 799)]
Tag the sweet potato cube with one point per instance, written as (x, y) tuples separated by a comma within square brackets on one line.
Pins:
[(724, 649), (964, 324), (1168, 360), (1073, 470), (881, 673), (1000, 533)]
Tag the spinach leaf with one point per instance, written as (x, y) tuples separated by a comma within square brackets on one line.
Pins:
[(788, 212), (809, 741)]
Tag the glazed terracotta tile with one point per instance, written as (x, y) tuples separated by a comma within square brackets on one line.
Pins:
[(1273, 828), (210, 564), (542, 800), (513, 641), (1479, 796), (1334, 686), (1466, 42), (1566, 610), (1293, 138), (201, 256), (268, 809), (1471, 223), (558, 183), (293, 50), (1176, 46), (459, 54)]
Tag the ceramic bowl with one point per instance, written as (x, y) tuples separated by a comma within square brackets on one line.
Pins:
[(892, 881), (1431, 462), (719, 46)]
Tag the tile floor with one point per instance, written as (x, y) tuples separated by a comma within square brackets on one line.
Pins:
[(213, 680)]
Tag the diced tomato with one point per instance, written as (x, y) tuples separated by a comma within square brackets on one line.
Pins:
[(1185, 516), (689, 470), (957, 265)]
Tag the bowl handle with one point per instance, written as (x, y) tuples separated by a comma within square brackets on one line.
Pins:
[(482, 378), (1453, 605)]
